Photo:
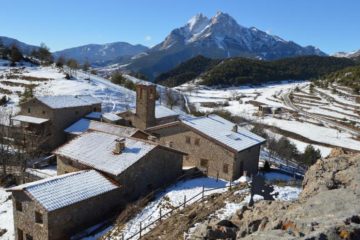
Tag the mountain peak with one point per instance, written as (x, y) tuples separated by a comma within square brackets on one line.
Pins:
[(197, 23)]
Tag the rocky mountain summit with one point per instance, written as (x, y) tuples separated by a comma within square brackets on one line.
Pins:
[(328, 207), (217, 37)]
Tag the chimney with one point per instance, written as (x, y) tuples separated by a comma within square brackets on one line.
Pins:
[(235, 128), (119, 145)]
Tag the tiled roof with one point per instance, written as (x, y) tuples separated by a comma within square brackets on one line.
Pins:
[(78, 127), (111, 117), (29, 119), (66, 101), (83, 125), (95, 149), (60, 191), (220, 130), (94, 115), (162, 111)]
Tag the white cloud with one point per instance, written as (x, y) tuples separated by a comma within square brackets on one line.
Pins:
[(148, 38)]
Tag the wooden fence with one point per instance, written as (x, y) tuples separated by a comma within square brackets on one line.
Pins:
[(196, 198)]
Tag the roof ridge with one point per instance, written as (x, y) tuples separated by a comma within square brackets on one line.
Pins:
[(46, 180)]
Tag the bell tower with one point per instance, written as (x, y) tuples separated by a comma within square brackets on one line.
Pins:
[(145, 105)]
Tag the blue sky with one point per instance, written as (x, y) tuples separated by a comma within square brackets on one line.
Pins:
[(331, 25)]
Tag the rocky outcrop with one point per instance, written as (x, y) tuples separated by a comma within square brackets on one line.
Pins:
[(328, 207)]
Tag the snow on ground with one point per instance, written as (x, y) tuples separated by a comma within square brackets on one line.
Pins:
[(237, 102), (6, 215), (286, 193), (316, 133), (171, 197), (114, 97)]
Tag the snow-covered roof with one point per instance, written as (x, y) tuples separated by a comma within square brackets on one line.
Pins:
[(161, 111), (67, 101), (29, 119), (221, 130), (78, 127), (95, 149), (111, 117), (60, 191), (83, 125), (94, 115)]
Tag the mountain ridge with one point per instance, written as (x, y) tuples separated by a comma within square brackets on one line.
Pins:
[(102, 54), (218, 37)]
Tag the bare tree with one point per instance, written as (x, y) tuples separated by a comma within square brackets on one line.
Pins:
[(171, 99)]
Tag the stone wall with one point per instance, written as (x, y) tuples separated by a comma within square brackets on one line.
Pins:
[(199, 149), (72, 219), (158, 168), (62, 223), (60, 118), (222, 162), (65, 165), (25, 220)]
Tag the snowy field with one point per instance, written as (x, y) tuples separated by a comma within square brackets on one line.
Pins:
[(114, 97), (244, 100), (6, 215)]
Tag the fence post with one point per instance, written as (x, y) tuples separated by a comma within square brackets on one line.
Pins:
[(184, 200), (203, 192), (122, 236), (140, 230), (160, 214), (217, 176), (230, 185)]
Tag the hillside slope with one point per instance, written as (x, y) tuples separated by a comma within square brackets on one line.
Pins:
[(236, 71), (102, 54)]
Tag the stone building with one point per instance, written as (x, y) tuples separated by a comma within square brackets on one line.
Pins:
[(56, 208), (147, 113), (216, 146), (48, 116), (138, 165)]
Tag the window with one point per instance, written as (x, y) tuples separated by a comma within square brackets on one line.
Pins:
[(18, 205), (29, 110), (187, 140), (38, 217), (43, 112), (95, 109), (20, 234), (197, 141), (28, 237), (77, 112), (204, 163), (140, 93), (226, 168)]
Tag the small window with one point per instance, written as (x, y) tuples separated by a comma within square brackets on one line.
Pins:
[(28, 237), (43, 112), (77, 112), (20, 234), (204, 163), (29, 110), (226, 168), (94, 109), (38, 217), (197, 141), (187, 140), (18, 205)]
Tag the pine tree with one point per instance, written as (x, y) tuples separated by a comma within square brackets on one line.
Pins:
[(15, 54)]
